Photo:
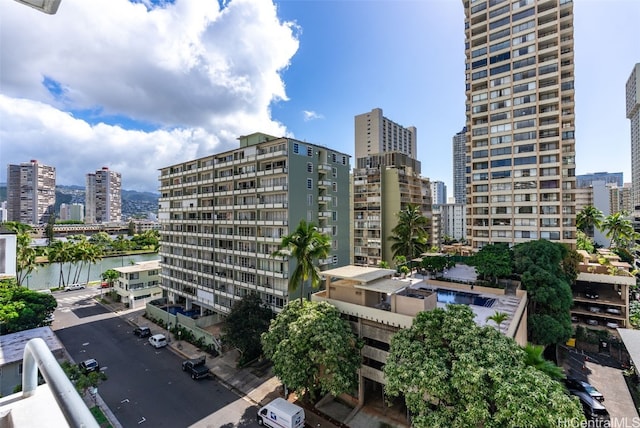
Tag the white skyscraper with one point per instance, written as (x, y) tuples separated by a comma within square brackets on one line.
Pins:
[(103, 200), (633, 114)]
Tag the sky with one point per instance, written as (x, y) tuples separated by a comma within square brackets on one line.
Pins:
[(138, 86)]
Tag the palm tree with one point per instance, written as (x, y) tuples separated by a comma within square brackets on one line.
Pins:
[(589, 219), (305, 245), (410, 236), (25, 254), (619, 229), (498, 318), (534, 358)]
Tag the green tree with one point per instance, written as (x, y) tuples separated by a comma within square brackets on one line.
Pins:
[(313, 349), (82, 381), (411, 235), (494, 261), (589, 219), (26, 255), (383, 265), (110, 276), (49, 230), (498, 318), (434, 264), (619, 229), (453, 373), (102, 239), (131, 229), (244, 325), (62, 252), (23, 309), (534, 357), (584, 242), (305, 245), (539, 264)]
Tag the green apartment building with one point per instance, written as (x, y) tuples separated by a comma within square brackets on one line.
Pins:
[(223, 216)]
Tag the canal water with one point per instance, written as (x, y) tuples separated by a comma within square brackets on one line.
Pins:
[(48, 276)]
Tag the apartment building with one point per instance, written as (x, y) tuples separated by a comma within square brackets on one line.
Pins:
[(223, 216), (520, 121), (139, 281), (460, 167), (383, 185), (452, 219), (103, 197), (31, 192), (633, 114), (72, 212), (375, 134), (585, 180), (438, 193)]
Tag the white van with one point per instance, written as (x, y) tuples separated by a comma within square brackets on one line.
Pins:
[(158, 341), (281, 414)]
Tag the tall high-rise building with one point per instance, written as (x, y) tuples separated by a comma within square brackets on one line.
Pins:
[(460, 167), (31, 192), (520, 121), (223, 216), (438, 193), (103, 197), (375, 134), (72, 212), (633, 114)]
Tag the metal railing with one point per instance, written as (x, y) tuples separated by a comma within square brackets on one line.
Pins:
[(38, 356)]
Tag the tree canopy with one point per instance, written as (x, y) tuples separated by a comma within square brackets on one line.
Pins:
[(494, 261), (313, 349), (23, 309), (543, 275), (589, 219), (25, 253), (244, 325), (453, 373), (411, 235)]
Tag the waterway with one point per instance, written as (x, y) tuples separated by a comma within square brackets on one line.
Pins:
[(48, 276)]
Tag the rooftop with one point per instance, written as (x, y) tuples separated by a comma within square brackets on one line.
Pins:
[(12, 345), (140, 266)]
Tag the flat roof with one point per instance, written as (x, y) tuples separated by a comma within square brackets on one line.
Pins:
[(606, 279), (631, 340), (360, 274), (12, 345), (388, 286), (140, 266)]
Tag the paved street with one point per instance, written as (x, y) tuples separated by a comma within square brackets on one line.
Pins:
[(145, 386)]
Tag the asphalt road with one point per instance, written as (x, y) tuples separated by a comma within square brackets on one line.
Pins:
[(145, 386)]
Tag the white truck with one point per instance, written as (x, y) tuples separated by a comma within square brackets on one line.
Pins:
[(281, 414)]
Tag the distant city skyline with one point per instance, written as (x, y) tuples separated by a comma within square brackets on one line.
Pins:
[(186, 88)]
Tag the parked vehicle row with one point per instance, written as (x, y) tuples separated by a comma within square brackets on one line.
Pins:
[(591, 399)]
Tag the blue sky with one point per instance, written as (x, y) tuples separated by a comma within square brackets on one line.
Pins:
[(137, 87)]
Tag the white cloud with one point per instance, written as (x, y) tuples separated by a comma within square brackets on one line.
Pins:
[(311, 115), (201, 76)]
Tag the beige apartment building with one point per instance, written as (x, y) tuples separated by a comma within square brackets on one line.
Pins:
[(520, 121), (376, 134), (103, 197), (31, 192)]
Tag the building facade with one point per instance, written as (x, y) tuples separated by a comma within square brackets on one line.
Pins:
[(633, 114), (31, 192), (72, 212), (375, 134), (438, 193), (585, 180), (520, 121), (383, 185), (452, 220), (460, 167), (223, 216), (103, 197), (137, 282)]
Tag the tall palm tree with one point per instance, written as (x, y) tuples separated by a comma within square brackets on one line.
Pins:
[(306, 244), (589, 219), (619, 229), (25, 254), (410, 236)]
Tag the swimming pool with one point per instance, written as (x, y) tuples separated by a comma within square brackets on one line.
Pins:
[(463, 298)]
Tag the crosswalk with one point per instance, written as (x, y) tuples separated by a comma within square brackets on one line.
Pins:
[(68, 302)]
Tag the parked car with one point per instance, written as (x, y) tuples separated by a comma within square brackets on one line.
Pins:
[(614, 311), (612, 324), (594, 309), (592, 322), (574, 384), (72, 287), (90, 365), (142, 331), (593, 409), (574, 318), (590, 293), (196, 368), (158, 341), (280, 413)]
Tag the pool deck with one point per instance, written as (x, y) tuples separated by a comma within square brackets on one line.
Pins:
[(503, 303)]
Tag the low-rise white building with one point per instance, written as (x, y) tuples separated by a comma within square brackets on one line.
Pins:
[(138, 281), (12, 350)]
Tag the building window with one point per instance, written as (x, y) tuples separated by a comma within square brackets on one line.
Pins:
[(334, 215), (334, 170), (309, 199), (309, 183), (334, 186), (309, 167), (309, 151), (296, 148)]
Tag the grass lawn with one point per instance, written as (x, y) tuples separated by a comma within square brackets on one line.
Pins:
[(100, 417)]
